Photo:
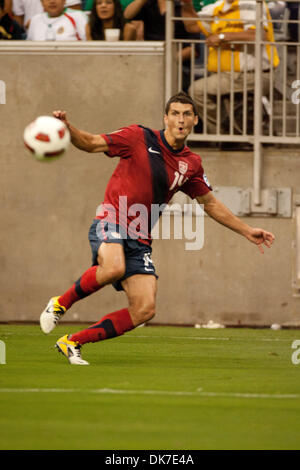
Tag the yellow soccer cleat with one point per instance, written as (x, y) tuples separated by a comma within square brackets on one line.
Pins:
[(71, 350), (51, 315)]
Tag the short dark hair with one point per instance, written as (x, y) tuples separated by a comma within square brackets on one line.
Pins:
[(181, 97)]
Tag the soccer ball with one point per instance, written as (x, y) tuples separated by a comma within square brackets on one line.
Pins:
[(47, 138)]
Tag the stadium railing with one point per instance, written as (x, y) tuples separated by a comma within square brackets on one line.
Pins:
[(276, 119)]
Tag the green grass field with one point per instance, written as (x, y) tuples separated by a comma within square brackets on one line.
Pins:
[(153, 388)]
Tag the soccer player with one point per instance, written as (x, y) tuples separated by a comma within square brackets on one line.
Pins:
[(153, 166)]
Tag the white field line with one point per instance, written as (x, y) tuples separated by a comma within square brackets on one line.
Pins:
[(112, 391), (198, 338), (201, 338), (180, 337)]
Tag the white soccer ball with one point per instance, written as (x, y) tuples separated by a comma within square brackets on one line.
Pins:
[(47, 138)]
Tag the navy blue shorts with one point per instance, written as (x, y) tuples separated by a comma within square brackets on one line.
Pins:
[(137, 255)]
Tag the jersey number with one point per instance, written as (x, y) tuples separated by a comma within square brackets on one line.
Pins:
[(179, 180)]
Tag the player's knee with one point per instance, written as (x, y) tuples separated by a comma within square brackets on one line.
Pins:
[(115, 273), (111, 274), (149, 312), (143, 312)]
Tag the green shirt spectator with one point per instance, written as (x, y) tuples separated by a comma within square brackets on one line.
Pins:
[(87, 5)]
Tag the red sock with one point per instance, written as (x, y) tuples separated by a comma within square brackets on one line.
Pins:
[(111, 325), (84, 286)]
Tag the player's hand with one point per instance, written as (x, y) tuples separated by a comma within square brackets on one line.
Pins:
[(261, 237), (62, 115)]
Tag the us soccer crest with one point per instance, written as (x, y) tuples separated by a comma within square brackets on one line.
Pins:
[(183, 167)]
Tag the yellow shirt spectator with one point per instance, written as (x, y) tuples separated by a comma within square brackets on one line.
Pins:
[(215, 20)]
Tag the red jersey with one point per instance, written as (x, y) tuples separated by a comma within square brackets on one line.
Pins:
[(149, 173)]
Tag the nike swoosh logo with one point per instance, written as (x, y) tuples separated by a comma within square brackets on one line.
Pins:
[(153, 151)]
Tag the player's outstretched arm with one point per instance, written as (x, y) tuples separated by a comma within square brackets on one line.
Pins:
[(219, 212), (81, 139)]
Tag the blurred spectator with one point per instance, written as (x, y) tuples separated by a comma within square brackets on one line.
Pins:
[(24, 10), (8, 6), (221, 35), (57, 23), (108, 14), (198, 4), (139, 25), (9, 28), (152, 13)]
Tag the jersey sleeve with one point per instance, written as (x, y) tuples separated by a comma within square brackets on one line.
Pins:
[(198, 185), (120, 143)]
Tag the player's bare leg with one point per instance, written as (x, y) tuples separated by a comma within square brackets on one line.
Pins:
[(111, 261), (111, 268), (141, 293)]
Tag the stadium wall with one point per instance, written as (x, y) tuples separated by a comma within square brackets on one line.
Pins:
[(47, 208)]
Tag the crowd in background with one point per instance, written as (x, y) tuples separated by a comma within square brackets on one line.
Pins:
[(73, 20), (88, 19), (68, 20), (48, 19)]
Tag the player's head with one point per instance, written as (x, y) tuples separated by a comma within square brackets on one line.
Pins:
[(54, 8), (181, 97), (180, 118)]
